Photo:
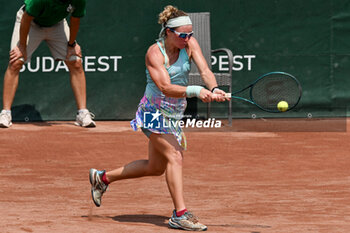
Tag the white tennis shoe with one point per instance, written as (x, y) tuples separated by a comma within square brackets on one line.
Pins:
[(84, 119), (5, 119)]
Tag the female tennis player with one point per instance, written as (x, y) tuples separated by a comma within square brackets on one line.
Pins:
[(168, 66)]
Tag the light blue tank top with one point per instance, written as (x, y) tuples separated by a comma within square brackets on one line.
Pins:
[(178, 72), (170, 108)]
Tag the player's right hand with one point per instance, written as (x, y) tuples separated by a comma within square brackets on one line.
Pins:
[(18, 52), (206, 96), (219, 95), (73, 51)]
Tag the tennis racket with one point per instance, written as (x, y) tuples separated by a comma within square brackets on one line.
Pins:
[(270, 89)]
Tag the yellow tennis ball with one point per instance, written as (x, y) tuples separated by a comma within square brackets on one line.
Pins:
[(282, 106)]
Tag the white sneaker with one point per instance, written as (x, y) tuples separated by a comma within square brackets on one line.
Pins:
[(5, 119), (84, 119)]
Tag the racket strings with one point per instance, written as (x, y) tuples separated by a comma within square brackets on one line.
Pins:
[(268, 91)]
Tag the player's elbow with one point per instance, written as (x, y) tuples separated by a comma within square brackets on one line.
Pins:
[(166, 89), (206, 74)]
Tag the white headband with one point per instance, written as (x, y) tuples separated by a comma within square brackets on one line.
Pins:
[(175, 22)]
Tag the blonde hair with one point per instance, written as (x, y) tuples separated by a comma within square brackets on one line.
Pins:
[(170, 12)]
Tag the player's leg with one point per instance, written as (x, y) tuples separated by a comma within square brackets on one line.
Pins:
[(11, 77), (168, 146), (57, 41), (154, 166), (164, 155), (10, 86)]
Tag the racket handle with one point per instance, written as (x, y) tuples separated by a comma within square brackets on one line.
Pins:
[(227, 95)]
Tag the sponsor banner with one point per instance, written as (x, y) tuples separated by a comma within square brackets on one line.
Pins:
[(106, 63), (240, 62), (90, 64)]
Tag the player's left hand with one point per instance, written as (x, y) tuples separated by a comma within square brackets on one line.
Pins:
[(73, 51), (18, 53), (220, 95)]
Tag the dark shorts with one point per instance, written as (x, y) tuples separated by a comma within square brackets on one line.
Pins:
[(146, 132)]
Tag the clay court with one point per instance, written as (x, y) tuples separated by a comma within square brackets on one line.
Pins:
[(254, 178)]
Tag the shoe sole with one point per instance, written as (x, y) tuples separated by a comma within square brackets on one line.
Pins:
[(177, 226), (91, 125), (92, 174), (172, 225), (5, 126)]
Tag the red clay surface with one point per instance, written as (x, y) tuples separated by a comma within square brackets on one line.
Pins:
[(243, 181)]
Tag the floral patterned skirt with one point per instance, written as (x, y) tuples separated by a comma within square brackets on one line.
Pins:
[(160, 114)]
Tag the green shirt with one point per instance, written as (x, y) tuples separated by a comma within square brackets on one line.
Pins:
[(47, 13)]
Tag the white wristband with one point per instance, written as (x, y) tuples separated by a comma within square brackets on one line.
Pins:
[(193, 91)]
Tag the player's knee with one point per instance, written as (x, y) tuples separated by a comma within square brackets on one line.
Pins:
[(156, 171), (16, 66), (176, 158), (75, 66)]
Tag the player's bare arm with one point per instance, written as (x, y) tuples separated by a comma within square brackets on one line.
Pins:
[(160, 76), (197, 56), (20, 50), (206, 74), (75, 48)]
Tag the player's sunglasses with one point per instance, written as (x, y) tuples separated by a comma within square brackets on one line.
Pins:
[(182, 34)]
